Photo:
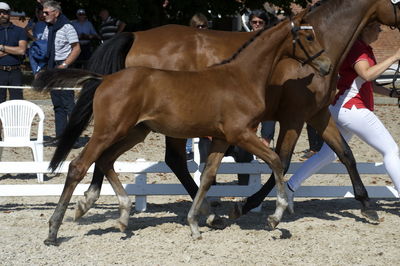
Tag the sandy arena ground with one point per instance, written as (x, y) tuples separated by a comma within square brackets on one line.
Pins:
[(323, 231)]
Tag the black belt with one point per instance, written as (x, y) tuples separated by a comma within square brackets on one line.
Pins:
[(9, 68)]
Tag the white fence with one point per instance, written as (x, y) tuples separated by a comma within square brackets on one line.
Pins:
[(140, 189)]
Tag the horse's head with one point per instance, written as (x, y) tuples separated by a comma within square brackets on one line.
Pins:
[(388, 12), (306, 48)]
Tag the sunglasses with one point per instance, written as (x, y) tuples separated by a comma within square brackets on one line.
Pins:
[(5, 12), (201, 26), (254, 22), (46, 13)]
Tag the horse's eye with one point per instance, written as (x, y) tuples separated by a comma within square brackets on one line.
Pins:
[(310, 38)]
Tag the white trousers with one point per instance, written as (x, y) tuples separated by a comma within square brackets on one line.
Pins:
[(367, 126)]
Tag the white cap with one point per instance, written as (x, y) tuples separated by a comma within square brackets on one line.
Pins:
[(4, 6)]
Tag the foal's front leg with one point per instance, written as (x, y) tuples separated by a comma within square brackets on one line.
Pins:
[(217, 151), (250, 142)]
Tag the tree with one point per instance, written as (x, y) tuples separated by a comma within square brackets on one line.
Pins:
[(149, 13)]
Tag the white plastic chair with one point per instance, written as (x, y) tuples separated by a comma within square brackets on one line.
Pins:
[(16, 117)]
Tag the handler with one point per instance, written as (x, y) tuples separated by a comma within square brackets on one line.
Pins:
[(13, 43), (353, 109)]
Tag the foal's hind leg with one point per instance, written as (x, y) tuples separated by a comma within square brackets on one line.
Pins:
[(77, 170), (326, 126), (91, 195), (217, 151)]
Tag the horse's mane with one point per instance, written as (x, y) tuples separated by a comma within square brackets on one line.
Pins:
[(246, 44)]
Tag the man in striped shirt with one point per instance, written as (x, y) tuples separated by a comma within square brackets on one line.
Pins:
[(62, 50), (109, 25)]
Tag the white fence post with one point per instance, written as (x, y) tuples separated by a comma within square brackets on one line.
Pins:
[(141, 201)]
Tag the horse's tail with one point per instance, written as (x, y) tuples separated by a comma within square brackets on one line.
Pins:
[(82, 112), (110, 56)]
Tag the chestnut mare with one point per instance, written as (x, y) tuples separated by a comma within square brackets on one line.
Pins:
[(302, 95), (228, 101)]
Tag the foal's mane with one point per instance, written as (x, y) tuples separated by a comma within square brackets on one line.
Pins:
[(246, 44)]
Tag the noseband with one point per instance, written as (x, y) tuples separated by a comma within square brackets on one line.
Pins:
[(296, 40)]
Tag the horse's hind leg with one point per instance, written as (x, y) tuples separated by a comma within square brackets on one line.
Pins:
[(250, 142), (91, 195), (326, 126), (217, 151)]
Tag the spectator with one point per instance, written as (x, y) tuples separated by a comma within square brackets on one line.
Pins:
[(13, 43), (259, 20), (86, 33), (36, 26), (198, 21), (109, 25), (62, 50)]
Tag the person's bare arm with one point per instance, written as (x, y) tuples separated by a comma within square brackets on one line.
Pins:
[(76, 50), (15, 50), (370, 73)]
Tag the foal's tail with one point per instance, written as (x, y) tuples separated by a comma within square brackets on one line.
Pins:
[(83, 110)]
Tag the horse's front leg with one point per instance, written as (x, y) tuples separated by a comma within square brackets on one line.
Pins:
[(250, 142), (326, 126), (217, 151), (288, 135)]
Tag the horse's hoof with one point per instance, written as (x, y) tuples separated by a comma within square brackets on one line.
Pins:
[(216, 221), (122, 226), (235, 212), (370, 215), (50, 242), (272, 222)]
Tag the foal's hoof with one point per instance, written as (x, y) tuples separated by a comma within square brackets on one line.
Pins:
[(196, 236), (79, 212), (216, 221), (272, 222), (50, 242), (235, 212), (122, 226), (370, 214)]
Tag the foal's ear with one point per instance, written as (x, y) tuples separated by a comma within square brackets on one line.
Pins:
[(300, 17)]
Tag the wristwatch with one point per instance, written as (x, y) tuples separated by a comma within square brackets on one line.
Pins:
[(64, 64), (2, 48)]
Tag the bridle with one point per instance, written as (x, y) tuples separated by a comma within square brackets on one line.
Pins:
[(395, 91), (296, 40)]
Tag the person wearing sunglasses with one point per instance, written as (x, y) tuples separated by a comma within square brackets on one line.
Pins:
[(13, 43), (62, 50)]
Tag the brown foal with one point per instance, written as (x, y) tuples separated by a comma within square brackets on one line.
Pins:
[(225, 101)]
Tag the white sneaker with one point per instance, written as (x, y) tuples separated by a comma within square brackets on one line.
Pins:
[(290, 197)]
